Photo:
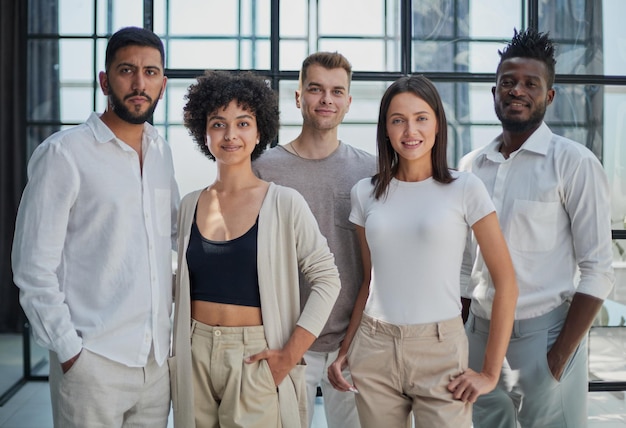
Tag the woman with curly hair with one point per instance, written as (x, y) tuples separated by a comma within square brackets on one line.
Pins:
[(239, 334)]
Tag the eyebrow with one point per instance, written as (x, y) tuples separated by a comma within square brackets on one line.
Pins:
[(131, 65), (321, 86), (218, 117)]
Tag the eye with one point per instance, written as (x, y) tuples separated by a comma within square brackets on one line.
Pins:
[(505, 83), (314, 89), (151, 72), (338, 92), (422, 118), (216, 125), (244, 124), (397, 121)]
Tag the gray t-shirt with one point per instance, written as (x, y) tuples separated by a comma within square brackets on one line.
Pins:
[(326, 184)]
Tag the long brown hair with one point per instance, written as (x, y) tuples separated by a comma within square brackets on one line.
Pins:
[(387, 156)]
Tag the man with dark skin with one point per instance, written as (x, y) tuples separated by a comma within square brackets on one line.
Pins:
[(552, 199)]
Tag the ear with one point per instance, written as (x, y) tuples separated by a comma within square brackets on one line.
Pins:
[(163, 87), (298, 95), (550, 96), (493, 92), (104, 82)]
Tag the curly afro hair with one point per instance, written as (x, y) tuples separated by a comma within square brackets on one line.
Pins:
[(216, 89)]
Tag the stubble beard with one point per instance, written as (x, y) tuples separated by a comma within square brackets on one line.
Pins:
[(124, 113), (517, 125)]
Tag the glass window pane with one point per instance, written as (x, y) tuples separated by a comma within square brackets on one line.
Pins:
[(193, 170), (612, 25), (294, 18), (495, 18), (255, 55), (76, 17), (255, 18), (203, 54), (292, 53), (363, 54), (123, 13), (43, 80), (174, 100), (76, 61), (614, 155), (576, 27), (76, 104), (332, 17), (203, 17)]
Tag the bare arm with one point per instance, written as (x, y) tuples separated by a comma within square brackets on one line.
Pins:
[(282, 361), (334, 370), (582, 312), (470, 385)]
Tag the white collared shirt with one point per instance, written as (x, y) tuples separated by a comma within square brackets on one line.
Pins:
[(93, 244), (552, 200)]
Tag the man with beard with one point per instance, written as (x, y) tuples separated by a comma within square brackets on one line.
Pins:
[(324, 169), (92, 249), (552, 199)]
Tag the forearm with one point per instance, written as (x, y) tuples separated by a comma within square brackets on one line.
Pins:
[(299, 342), (355, 318), (582, 312), (501, 325)]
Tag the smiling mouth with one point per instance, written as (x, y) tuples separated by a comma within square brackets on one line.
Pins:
[(411, 143)]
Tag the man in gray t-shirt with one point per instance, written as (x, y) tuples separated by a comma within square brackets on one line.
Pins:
[(324, 169)]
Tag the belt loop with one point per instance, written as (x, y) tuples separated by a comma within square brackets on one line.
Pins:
[(372, 323), (516, 329), (440, 332), (245, 336), (193, 325)]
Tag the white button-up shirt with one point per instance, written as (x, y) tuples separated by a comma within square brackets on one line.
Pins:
[(552, 200), (93, 244)]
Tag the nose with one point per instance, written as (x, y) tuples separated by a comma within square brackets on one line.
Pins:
[(326, 98), (515, 90), (139, 82)]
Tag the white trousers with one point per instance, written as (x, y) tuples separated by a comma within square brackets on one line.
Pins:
[(339, 407), (100, 393)]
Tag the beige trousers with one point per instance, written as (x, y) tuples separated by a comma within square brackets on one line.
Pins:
[(100, 393), (402, 368), (229, 393)]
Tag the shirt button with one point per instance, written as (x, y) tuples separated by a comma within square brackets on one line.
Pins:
[(218, 333)]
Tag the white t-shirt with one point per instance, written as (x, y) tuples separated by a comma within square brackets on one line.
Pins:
[(416, 235)]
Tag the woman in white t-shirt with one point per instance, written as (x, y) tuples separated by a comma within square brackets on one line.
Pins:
[(406, 345)]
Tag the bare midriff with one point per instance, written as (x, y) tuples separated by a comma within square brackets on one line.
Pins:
[(226, 315)]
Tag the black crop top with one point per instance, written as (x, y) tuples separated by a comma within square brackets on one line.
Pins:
[(224, 271)]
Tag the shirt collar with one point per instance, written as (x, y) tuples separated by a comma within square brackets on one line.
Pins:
[(103, 133), (538, 142)]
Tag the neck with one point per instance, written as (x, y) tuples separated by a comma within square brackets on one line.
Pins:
[(315, 144), (512, 140), (414, 171), (232, 178)]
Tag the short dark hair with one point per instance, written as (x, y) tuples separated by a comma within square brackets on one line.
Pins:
[(328, 60), (132, 36), (216, 89), (387, 156), (531, 44)]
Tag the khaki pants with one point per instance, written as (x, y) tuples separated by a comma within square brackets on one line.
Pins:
[(229, 393), (100, 393), (402, 368)]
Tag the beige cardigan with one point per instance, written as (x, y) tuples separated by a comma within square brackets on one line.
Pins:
[(289, 240)]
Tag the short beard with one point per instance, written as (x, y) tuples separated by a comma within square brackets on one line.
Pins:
[(124, 113), (519, 126)]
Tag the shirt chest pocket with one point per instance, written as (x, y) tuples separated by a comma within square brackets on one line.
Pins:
[(533, 225), (341, 206)]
